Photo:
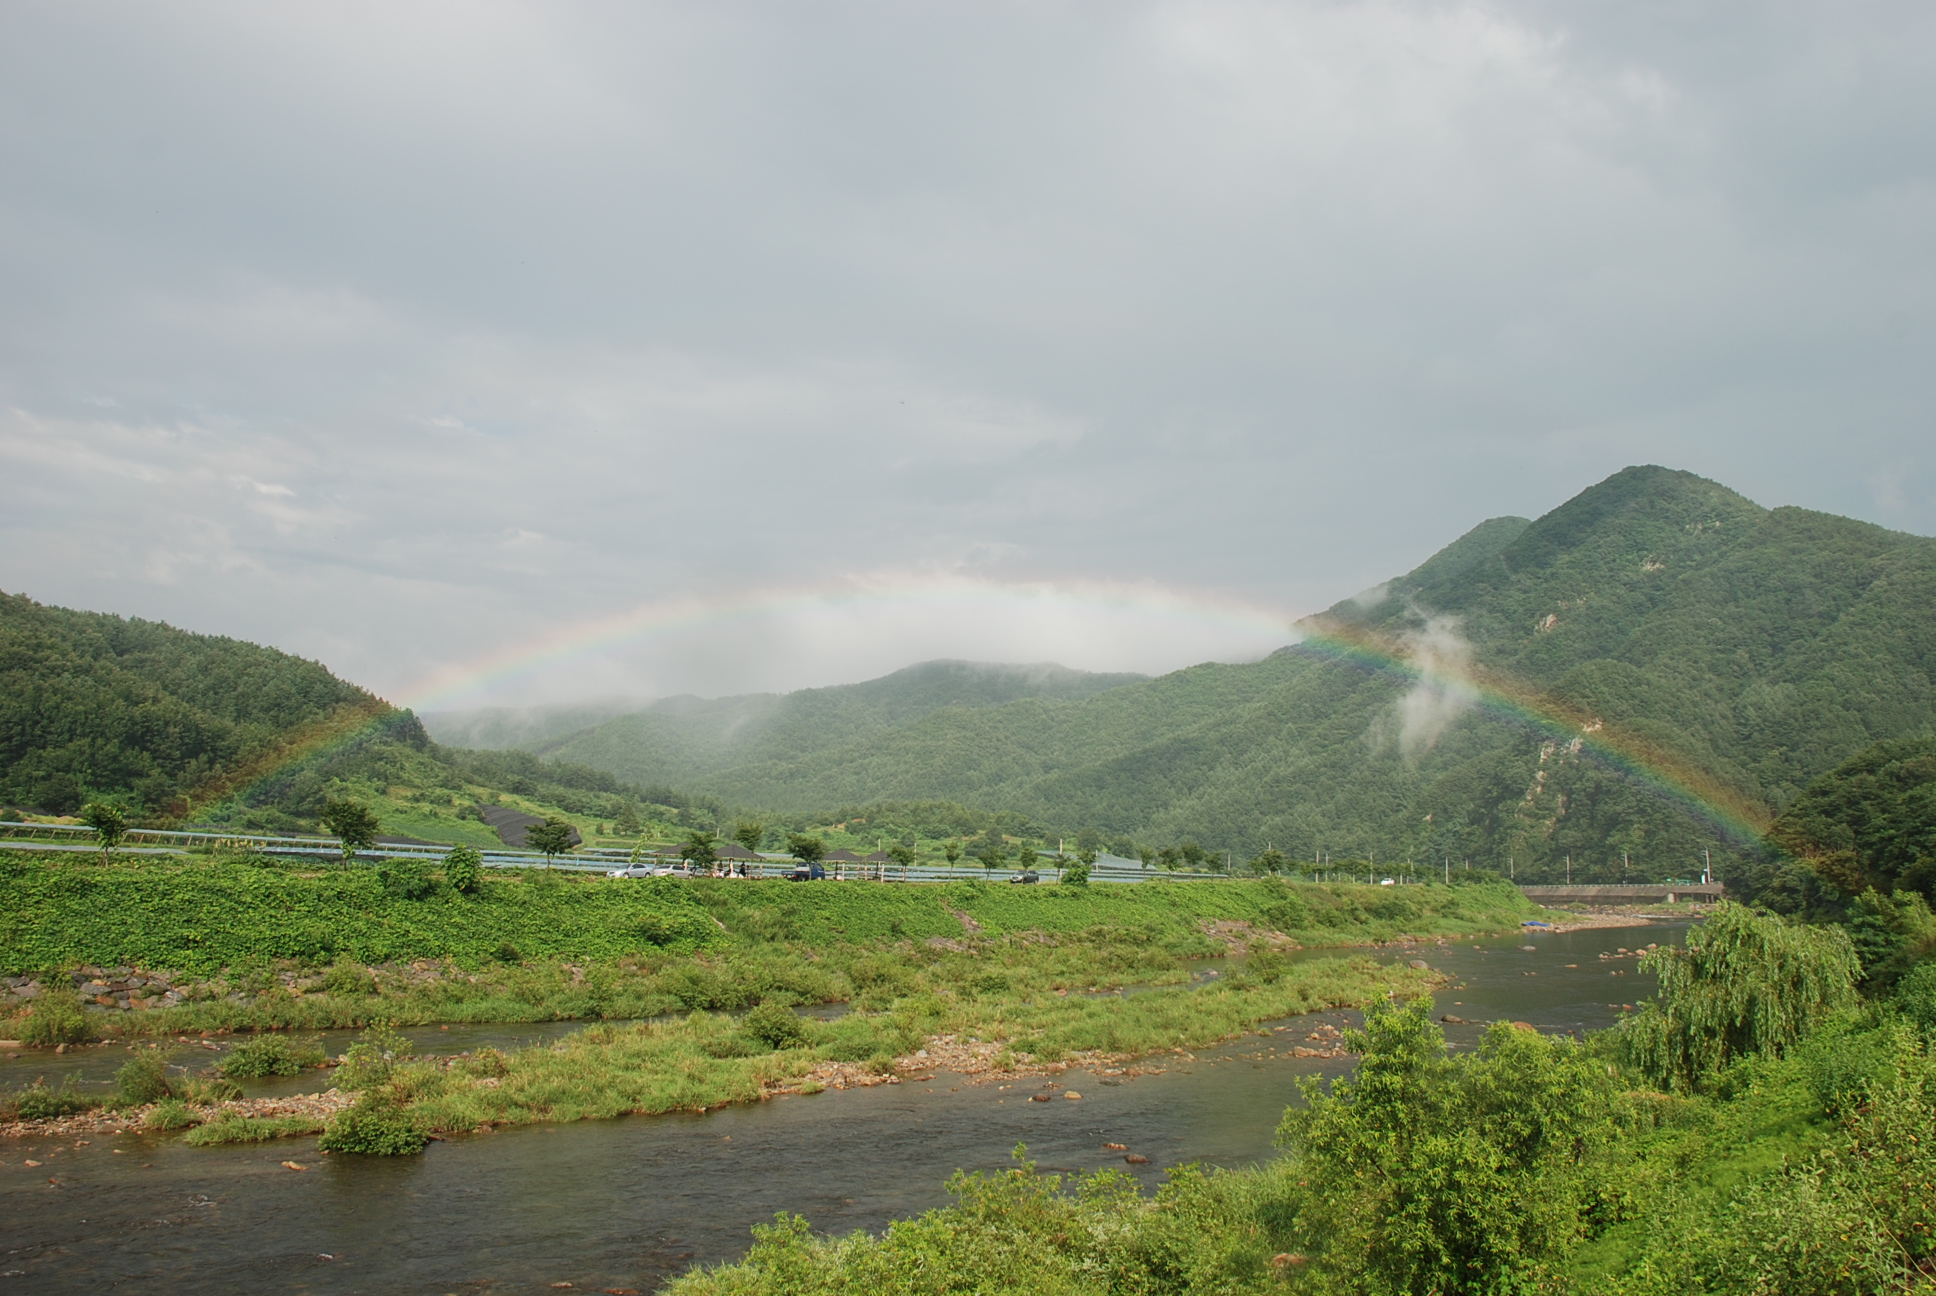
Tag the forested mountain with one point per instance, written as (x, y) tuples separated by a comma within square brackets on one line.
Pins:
[(1719, 650), (179, 726), (678, 741), (90, 702)]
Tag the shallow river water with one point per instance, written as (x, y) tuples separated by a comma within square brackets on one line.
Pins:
[(627, 1203)]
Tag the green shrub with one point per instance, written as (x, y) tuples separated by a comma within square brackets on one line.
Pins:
[(171, 1114), (734, 1045), (464, 869), (1916, 997), (373, 1129), (508, 953), (349, 979), (1424, 1172), (486, 1062), (407, 880), (774, 1026), (269, 1055), (369, 1062), (143, 1079), (38, 1102), (56, 1018), (1075, 875)]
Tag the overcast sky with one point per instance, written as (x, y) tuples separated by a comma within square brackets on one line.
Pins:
[(421, 339)]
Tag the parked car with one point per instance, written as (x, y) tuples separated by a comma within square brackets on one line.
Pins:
[(1026, 876), (807, 873), (645, 868)]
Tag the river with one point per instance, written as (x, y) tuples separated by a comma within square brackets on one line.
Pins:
[(625, 1204)]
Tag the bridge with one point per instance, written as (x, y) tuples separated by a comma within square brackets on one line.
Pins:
[(1649, 893)]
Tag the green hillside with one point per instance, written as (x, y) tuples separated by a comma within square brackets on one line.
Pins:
[(679, 740), (1728, 648), (181, 727), (92, 703)]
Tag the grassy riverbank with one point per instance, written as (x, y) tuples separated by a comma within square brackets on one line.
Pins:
[(252, 946), (202, 916), (1012, 978), (1758, 1129)]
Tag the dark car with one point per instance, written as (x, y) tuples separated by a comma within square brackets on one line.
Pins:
[(1026, 877)]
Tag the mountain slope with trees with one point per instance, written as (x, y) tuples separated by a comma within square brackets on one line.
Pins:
[(1732, 652), (677, 741), (173, 726)]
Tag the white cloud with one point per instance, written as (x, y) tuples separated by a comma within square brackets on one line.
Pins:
[(1269, 300)]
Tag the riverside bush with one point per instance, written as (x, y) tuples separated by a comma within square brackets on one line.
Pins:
[(269, 1055), (143, 1079), (171, 1114), (774, 1026), (38, 1102), (372, 1128), (56, 1018)]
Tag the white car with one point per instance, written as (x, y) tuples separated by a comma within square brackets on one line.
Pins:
[(644, 870)]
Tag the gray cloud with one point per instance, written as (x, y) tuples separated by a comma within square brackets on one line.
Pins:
[(403, 336)]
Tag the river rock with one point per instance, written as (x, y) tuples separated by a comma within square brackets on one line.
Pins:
[(1456, 1021), (1420, 964), (1136, 1159)]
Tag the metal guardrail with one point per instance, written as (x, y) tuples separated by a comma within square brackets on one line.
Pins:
[(164, 841)]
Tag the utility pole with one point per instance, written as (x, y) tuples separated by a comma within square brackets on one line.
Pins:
[(1569, 870), (1707, 872)]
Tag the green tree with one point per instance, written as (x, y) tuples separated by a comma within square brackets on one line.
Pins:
[(904, 853), (1026, 856), (463, 869), (1268, 863), (108, 823), (808, 850), (627, 822), (701, 848), (991, 850), (354, 824), (951, 850), (749, 833), (1744, 984), (1076, 874), (553, 837), (1428, 1173)]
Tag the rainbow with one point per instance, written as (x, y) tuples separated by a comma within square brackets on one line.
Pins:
[(596, 637), (1736, 815), (599, 636)]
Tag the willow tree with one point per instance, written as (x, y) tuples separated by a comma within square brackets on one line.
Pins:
[(1745, 984)]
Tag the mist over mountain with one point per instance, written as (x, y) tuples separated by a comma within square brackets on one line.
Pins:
[(494, 728), (1741, 650), (680, 740)]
